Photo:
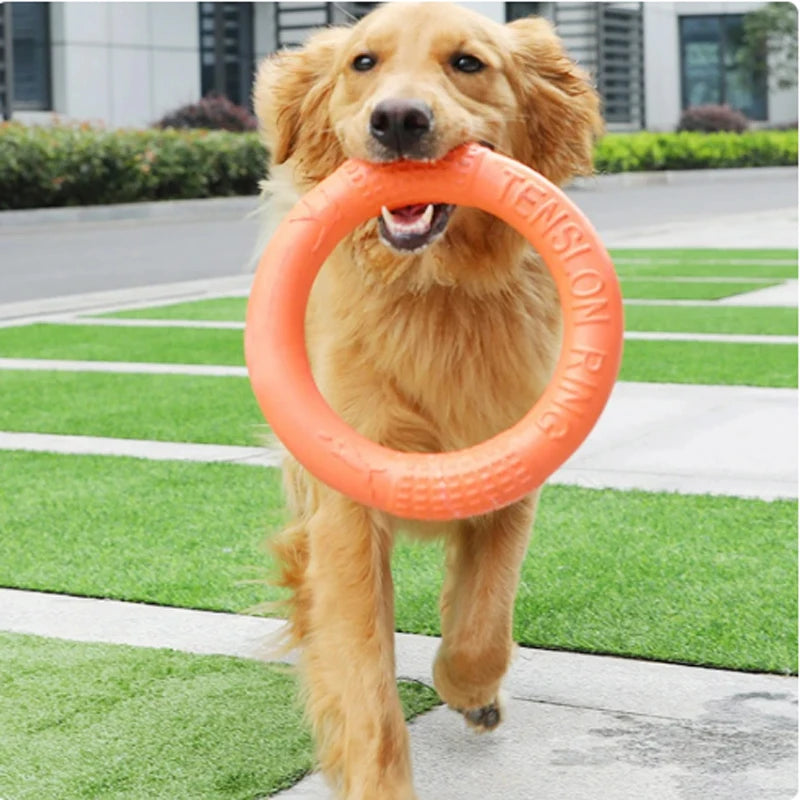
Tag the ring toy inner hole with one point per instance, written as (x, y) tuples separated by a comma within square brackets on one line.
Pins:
[(462, 483)]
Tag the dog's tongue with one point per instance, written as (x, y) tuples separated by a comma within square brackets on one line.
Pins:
[(413, 220), (410, 212)]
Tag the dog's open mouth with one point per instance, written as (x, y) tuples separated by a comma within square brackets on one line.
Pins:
[(412, 228)]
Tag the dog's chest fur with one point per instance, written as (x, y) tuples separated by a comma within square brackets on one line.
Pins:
[(434, 369)]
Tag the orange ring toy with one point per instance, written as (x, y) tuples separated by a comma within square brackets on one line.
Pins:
[(501, 470)]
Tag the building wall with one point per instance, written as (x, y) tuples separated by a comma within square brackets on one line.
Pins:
[(124, 64), (127, 63), (663, 65), (264, 31), (662, 74)]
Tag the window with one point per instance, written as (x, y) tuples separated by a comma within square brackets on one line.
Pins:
[(294, 22), (710, 68), (521, 10), (226, 50), (5, 65), (30, 51), (606, 39)]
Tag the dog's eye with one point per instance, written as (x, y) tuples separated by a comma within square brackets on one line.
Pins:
[(364, 62), (467, 63)]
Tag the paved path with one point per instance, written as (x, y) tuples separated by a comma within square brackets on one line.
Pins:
[(580, 727)]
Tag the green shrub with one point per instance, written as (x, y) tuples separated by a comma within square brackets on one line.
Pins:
[(636, 152), (67, 166)]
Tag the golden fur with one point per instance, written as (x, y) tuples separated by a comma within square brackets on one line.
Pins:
[(431, 351)]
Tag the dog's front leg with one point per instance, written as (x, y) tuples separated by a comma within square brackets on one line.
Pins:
[(348, 657), (484, 557)]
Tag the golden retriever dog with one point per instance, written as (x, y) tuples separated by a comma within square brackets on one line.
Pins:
[(430, 328)]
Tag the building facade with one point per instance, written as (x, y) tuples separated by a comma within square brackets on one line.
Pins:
[(127, 64)]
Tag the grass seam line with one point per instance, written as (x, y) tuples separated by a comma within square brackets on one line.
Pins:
[(132, 367), (665, 335), (721, 338), (151, 449)]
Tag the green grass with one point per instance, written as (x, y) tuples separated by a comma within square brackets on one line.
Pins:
[(712, 319), (704, 580), (687, 290), (85, 721), (221, 309), (165, 532), (181, 408), (634, 269), (707, 263), (98, 343), (692, 579), (710, 363)]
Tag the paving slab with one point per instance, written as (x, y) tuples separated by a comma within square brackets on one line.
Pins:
[(139, 448), (127, 367), (730, 440), (783, 294), (776, 227), (23, 311), (582, 727)]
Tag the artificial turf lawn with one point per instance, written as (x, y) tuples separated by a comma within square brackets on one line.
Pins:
[(780, 264), (223, 411), (98, 343), (712, 319), (694, 579), (686, 290), (172, 408), (689, 319), (219, 309), (710, 363), (84, 721)]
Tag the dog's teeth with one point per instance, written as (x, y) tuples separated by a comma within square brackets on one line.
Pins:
[(427, 217), (397, 226), (387, 217)]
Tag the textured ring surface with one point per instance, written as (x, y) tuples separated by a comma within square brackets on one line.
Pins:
[(502, 469)]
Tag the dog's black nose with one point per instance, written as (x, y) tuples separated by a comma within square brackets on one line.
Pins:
[(400, 125)]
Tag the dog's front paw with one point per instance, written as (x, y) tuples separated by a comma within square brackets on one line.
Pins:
[(486, 718)]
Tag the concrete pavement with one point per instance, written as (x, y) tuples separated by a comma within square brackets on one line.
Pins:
[(56, 252)]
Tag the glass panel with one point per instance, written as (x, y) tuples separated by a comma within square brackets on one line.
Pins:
[(520, 10), (702, 53), (31, 51), (743, 90), (711, 69), (230, 35)]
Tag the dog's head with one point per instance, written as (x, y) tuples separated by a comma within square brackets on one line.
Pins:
[(413, 81)]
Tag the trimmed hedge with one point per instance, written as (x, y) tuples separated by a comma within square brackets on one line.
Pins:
[(67, 166), (641, 152)]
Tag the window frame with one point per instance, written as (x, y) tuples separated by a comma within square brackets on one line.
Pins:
[(44, 103), (760, 87), (245, 57)]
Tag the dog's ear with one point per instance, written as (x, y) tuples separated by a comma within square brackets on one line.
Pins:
[(290, 94), (560, 108)]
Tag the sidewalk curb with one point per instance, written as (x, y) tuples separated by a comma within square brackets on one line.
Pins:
[(170, 210), (159, 210), (632, 180)]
